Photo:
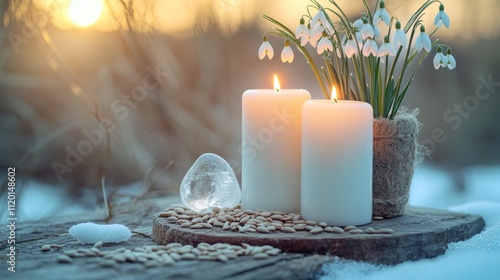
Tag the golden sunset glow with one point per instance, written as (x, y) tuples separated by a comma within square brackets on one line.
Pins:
[(84, 13)]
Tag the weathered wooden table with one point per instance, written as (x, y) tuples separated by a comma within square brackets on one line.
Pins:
[(437, 227)]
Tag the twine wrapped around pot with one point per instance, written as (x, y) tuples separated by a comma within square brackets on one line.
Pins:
[(395, 155)]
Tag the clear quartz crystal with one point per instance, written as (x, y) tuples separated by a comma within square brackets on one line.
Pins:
[(210, 183)]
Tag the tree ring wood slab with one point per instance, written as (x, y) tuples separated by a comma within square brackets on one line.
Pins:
[(419, 233)]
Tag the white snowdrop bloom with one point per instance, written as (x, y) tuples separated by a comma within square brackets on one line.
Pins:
[(399, 38), (266, 49), (359, 38), (324, 44), (287, 53), (367, 30), (386, 48), (306, 37), (423, 41), (381, 15), (350, 48), (319, 18), (376, 31), (442, 18), (329, 27), (301, 30), (440, 59), (358, 24), (370, 47), (452, 63), (315, 35)]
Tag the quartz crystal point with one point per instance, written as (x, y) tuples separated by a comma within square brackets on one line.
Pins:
[(210, 183)]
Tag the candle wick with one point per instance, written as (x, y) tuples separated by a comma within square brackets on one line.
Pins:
[(334, 100)]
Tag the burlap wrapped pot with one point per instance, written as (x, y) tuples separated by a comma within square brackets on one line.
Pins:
[(395, 155)]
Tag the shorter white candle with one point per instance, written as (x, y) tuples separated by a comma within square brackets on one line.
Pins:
[(337, 156)]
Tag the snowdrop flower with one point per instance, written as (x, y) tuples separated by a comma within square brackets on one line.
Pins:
[(442, 18), (386, 48), (452, 63), (319, 18), (376, 30), (350, 48), (367, 30), (370, 47), (381, 15), (423, 41), (329, 27), (359, 38), (287, 53), (315, 35), (358, 24), (440, 59), (324, 44), (301, 30), (399, 37), (265, 49)]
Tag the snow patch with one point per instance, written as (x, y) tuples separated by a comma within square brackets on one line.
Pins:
[(90, 233)]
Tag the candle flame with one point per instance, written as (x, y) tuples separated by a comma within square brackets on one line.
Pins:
[(334, 94), (277, 87)]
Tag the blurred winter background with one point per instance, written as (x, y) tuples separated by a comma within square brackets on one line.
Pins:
[(165, 78)]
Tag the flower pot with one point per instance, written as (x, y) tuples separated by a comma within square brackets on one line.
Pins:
[(395, 155)]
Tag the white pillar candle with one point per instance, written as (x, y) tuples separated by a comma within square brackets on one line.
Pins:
[(337, 156), (271, 148)]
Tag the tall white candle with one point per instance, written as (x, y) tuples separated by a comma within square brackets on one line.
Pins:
[(337, 155), (271, 149)]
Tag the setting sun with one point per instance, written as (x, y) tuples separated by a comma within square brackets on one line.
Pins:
[(84, 13)]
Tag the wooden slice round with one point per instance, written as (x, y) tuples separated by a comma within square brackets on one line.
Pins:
[(419, 233)]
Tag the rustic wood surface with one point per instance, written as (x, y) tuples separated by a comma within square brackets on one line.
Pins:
[(31, 263), (419, 233)]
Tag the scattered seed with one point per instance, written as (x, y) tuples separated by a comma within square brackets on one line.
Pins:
[(385, 231), (322, 224), (348, 228), (337, 230), (56, 246), (288, 230), (45, 248), (119, 258), (316, 230), (172, 219), (328, 229), (98, 244), (377, 218), (369, 230), (222, 258), (196, 226), (262, 230), (64, 259), (356, 231)]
